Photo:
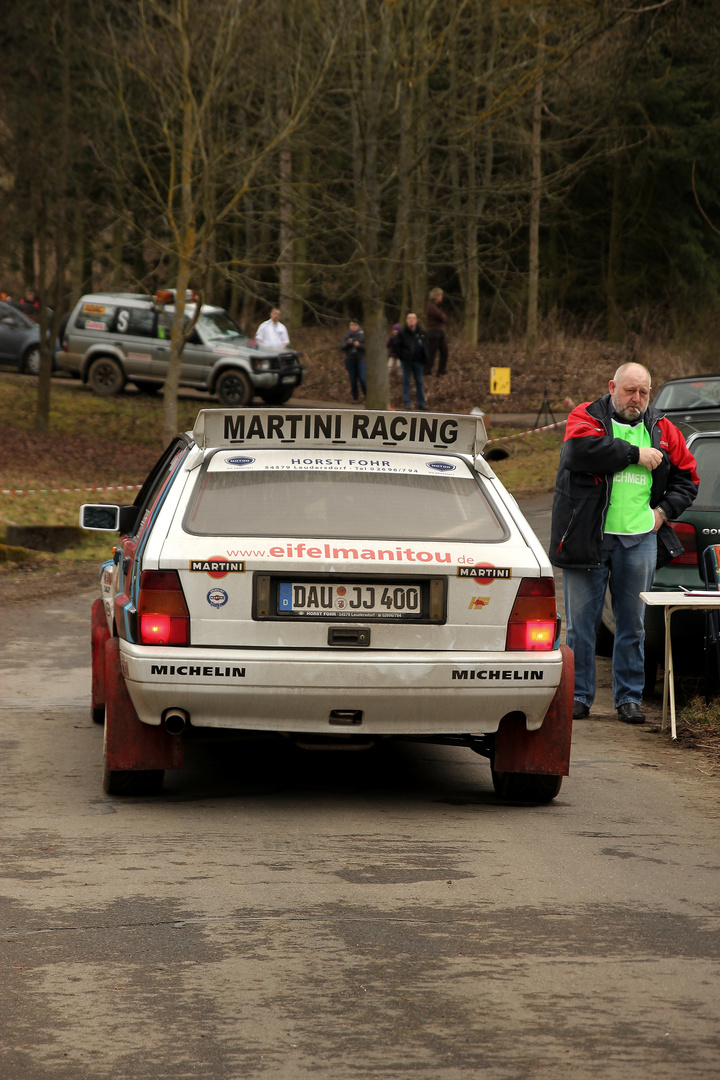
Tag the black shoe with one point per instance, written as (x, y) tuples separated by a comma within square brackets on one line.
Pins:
[(630, 713), (580, 710)]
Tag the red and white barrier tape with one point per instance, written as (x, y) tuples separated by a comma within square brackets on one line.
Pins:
[(136, 487), (547, 427), (66, 491)]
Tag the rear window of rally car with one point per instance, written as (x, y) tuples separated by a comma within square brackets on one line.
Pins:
[(341, 495)]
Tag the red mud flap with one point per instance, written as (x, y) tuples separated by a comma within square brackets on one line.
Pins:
[(546, 750), (129, 744), (99, 635)]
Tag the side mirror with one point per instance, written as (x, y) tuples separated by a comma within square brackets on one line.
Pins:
[(102, 517)]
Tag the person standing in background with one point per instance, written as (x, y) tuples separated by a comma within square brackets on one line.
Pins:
[(408, 344), (272, 334), (435, 320), (353, 345)]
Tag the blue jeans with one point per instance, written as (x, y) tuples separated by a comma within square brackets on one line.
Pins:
[(355, 367), (415, 369), (630, 572)]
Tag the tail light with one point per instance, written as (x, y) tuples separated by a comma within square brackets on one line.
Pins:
[(163, 617), (532, 622), (688, 538)]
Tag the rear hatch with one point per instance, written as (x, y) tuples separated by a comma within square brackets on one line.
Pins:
[(306, 549)]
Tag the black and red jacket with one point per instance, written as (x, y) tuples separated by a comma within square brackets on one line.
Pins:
[(589, 459)]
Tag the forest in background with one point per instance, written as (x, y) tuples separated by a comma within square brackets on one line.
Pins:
[(553, 166)]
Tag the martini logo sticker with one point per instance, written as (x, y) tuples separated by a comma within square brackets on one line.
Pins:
[(218, 567), (217, 598)]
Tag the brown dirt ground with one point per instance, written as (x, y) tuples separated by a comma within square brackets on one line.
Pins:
[(57, 458)]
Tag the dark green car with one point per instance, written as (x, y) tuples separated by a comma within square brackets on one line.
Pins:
[(692, 403), (698, 528)]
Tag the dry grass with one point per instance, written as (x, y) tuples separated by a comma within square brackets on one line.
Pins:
[(565, 367), (698, 727)]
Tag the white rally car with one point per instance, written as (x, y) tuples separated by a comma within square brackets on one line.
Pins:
[(338, 577)]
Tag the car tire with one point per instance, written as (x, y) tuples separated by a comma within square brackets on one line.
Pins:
[(106, 377), (278, 396), (147, 387), (234, 388), (138, 782), (526, 787), (31, 361)]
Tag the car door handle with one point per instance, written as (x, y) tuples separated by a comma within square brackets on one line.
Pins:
[(161, 348)]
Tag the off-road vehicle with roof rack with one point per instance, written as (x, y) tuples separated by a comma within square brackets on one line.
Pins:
[(114, 338)]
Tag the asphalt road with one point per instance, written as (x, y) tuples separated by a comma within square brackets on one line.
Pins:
[(276, 914)]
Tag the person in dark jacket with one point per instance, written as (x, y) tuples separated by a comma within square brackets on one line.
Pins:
[(408, 344), (624, 472), (435, 320), (353, 345)]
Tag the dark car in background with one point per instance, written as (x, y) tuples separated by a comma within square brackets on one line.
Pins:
[(698, 528), (20, 336), (692, 403)]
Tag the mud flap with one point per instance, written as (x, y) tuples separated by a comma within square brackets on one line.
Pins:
[(129, 744), (546, 750), (99, 635)]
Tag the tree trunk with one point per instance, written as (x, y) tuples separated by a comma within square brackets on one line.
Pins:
[(531, 337), (615, 325), (378, 383)]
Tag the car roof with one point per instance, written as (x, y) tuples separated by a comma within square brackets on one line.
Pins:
[(689, 379), (140, 299)]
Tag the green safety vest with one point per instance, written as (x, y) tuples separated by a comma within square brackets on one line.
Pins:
[(629, 512)]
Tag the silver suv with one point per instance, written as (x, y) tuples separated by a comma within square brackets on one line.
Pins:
[(114, 338)]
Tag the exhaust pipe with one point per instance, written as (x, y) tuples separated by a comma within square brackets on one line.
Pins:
[(175, 721)]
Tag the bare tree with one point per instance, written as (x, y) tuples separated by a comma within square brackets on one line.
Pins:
[(188, 107)]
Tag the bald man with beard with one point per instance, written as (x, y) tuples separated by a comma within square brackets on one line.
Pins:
[(624, 472)]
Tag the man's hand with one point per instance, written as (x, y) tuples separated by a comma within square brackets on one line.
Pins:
[(659, 519), (649, 457)]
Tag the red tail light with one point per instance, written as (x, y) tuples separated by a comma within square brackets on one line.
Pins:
[(688, 538), (532, 622), (163, 617)]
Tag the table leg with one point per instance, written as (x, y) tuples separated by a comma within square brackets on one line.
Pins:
[(666, 673), (670, 672)]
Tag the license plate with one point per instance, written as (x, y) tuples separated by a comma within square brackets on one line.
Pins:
[(349, 600), (288, 379)]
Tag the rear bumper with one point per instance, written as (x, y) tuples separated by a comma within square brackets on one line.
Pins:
[(296, 690)]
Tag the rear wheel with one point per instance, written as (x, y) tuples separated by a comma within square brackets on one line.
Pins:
[(278, 396), (526, 787), (31, 361), (106, 377), (234, 388)]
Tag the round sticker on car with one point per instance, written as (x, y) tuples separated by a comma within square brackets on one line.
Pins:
[(217, 598), (239, 460), (441, 466)]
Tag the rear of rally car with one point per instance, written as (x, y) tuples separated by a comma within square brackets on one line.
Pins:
[(348, 589)]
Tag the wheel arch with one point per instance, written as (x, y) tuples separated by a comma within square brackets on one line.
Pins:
[(97, 353), (225, 365)]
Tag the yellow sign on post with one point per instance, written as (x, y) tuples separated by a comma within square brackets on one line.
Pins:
[(499, 380)]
